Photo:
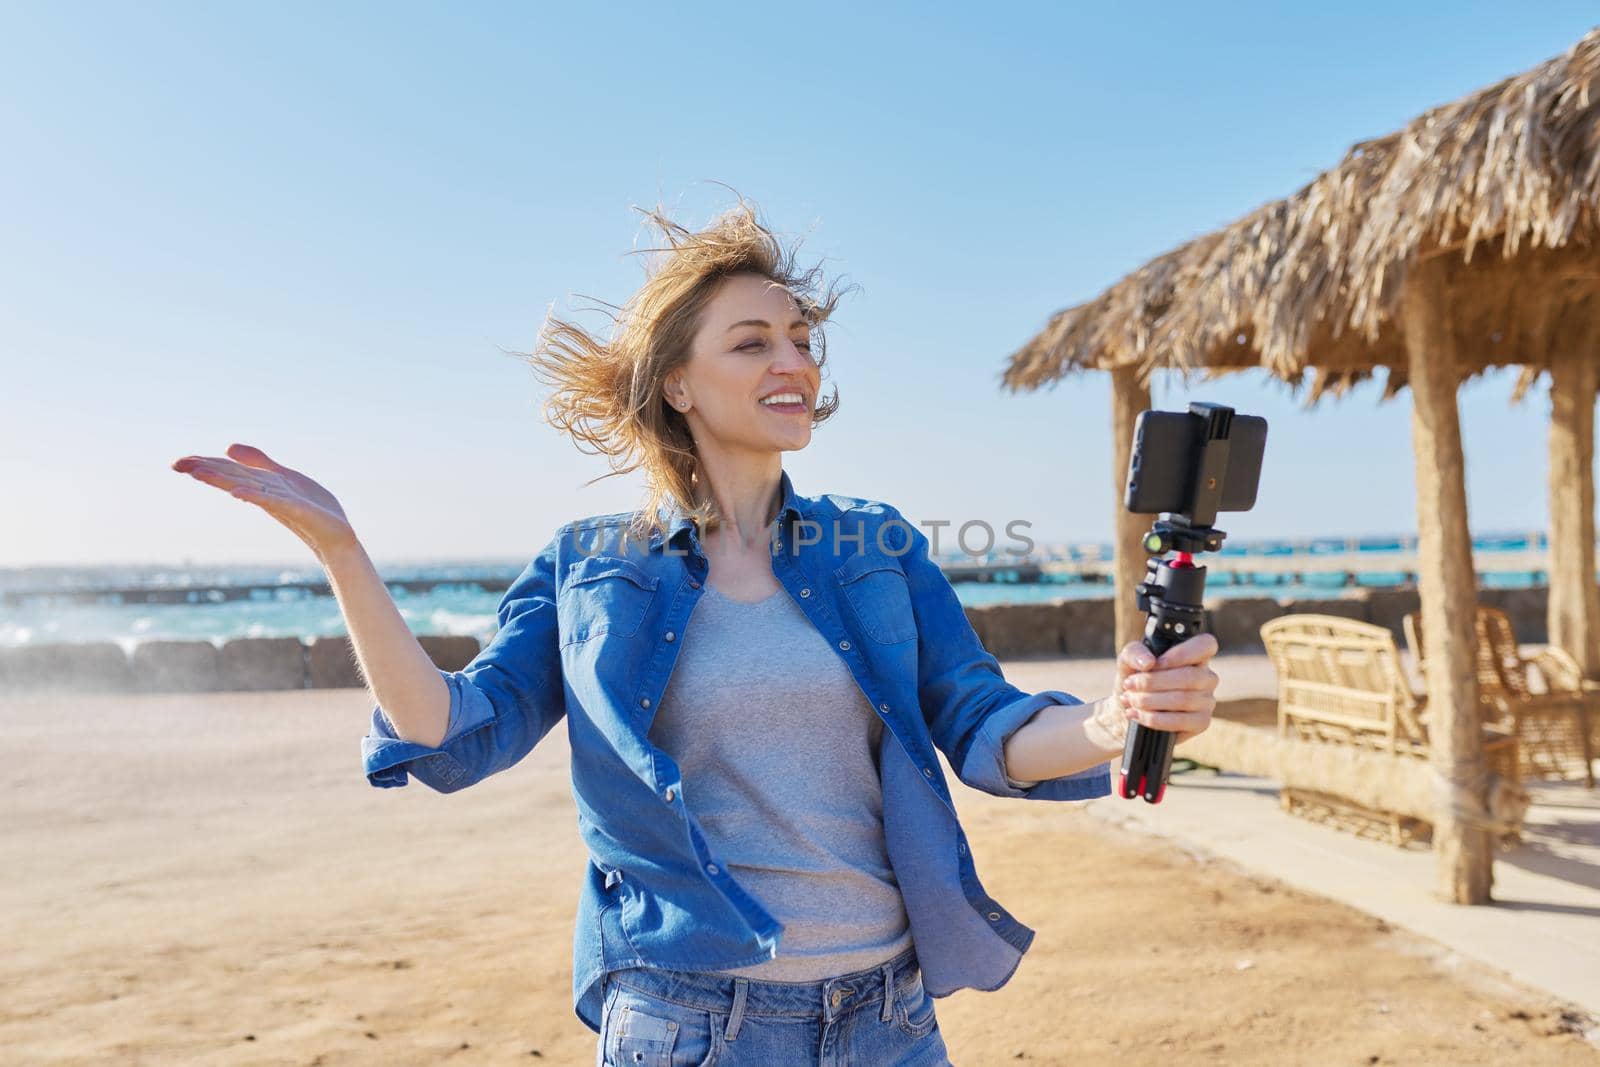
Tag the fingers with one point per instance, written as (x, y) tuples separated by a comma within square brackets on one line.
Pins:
[(1198, 678), (1180, 711), (1135, 657), (222, 473), (1196, 649), (214, 464), (219, 465), (1171, 700), (251, 456), (1175, 722), (1172, 692), (206, 472)]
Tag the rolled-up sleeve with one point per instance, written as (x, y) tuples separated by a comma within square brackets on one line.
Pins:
[(986, 761), (970, 707), (501, 703)]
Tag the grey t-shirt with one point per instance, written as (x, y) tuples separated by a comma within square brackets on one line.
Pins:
[(777, 748)]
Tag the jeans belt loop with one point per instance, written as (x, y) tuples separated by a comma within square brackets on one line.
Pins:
[(740, 988)]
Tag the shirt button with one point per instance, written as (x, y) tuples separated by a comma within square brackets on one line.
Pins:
[(961, 846), (805, 592), (711, 868), (845, 645), (994, 916), (694, 585), (669, 794), (644, 702), (928, 771), (883, 707), (671, 635)]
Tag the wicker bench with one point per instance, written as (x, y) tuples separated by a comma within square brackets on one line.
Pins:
[(1340, 682)]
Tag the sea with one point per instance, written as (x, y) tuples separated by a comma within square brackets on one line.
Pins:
[(50, 604)]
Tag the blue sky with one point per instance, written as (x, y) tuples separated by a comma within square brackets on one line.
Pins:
[(321, 230)]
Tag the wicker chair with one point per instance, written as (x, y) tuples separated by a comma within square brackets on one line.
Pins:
[(1552, 724), (1340, 682), (1560, 673)]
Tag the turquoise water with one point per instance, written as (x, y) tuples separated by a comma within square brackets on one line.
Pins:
[(465, 609)]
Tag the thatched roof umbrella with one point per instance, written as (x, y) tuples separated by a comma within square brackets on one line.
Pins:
[(1462, 242)]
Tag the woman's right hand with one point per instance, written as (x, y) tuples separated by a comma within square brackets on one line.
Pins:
[(306, 508), (1175, 691)]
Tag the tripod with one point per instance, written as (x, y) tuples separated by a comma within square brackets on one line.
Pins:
[(1171, 595)]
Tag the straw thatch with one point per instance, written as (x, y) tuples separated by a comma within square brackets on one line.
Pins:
[(1505, 182)]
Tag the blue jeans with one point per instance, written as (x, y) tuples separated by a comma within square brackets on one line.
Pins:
[(879, 1017)]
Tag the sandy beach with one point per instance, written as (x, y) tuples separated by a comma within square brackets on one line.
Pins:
[(209, 879)]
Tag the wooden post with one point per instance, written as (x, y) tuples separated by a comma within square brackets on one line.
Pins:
[(1574, 608), (1448, 585), (1128, 397)]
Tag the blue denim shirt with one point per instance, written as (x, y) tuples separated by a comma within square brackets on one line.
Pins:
[(589, 630)]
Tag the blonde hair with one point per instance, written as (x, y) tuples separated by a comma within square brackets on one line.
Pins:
[(608, 394)]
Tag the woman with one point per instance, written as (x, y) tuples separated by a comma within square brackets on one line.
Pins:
[(755, 682)]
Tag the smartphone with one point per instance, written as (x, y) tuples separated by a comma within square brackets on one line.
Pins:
[(1167, 445)]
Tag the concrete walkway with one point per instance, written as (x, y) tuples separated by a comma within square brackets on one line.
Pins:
[(1543, 928)]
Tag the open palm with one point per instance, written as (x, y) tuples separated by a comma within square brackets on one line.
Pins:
[(299, 503)]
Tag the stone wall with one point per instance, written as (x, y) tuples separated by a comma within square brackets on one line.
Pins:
[(248, 663), (1081, 628), (1084, 628)]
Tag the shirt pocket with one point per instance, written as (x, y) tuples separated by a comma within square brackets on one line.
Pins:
[(604, 595), (880, 597)]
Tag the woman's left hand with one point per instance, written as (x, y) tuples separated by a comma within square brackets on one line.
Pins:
[(1175, 692)]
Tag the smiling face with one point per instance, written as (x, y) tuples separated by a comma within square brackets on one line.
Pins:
[(750, 383)]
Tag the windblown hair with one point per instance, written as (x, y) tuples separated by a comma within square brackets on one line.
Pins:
[(607, 394)]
